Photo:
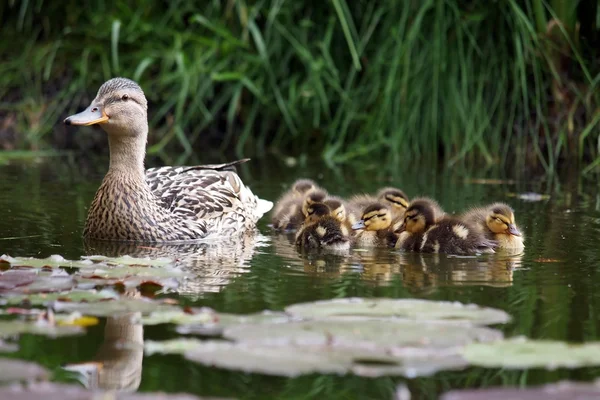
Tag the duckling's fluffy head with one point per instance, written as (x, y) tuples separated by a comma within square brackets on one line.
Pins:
[(313, 196), (420, 215), (316, 211), (375, 217), (501, 220), (120, 107), (337, 207), (303, 186), (396, 198)]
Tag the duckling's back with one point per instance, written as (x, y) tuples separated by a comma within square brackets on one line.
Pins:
[(453, 236), (327, 232)]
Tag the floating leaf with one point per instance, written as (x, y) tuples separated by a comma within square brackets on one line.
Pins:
[(11, 328), (113, 307), (555, 391), (521, 353), (28, 281), (18, 370), (178, 316), (13, 278), (56, 261), (56, 391), (386, 335), (70, 296), (413, 309)]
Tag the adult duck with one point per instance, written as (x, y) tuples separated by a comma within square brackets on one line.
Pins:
[(166, 204)]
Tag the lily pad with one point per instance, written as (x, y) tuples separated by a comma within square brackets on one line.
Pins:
[(18, 370), (114, 307), (178, 316), (387, 335), (70, 296), (412, 309), (28, 281), (555, 391), (521, 353), (13, 278), (7, 347), (293, 360), (56, 261), (17, 327), (56, 391)]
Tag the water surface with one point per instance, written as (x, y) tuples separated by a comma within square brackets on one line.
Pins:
[(551, 290)]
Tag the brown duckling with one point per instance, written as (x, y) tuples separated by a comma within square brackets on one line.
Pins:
[(497, 222), (423, 231), (322, 231), (375, 227), (287, 213)]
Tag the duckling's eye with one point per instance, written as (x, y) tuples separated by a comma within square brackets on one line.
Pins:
[(125, 97)]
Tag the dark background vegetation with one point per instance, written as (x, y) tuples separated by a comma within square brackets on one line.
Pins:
[(480, 81)]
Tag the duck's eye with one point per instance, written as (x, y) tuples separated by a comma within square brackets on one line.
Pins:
[(125, 97)]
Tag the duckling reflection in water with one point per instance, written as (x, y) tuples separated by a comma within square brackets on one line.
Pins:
[(422, 231), (497, 222), (322, 231), (375, 227), (290, 211)]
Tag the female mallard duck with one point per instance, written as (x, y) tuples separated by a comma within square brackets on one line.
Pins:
[(422, 230), (497, 222), (375, 227), (322, 231), (168, 204), (391, 197), (292, 210)]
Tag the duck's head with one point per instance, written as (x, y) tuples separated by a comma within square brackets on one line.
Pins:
[(395, 198), (313, 196), (316, 211), (337, 207), (420, 215), (501, 220), (375, 217), (120, 108), (303, 186)]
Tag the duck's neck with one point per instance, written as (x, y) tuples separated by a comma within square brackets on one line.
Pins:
[(127, 155)]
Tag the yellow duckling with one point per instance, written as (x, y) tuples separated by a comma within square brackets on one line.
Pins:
[(497, 222), (394, 198), (423, 231), (375, 227), (322, 231), (340, 210), (287, 213)]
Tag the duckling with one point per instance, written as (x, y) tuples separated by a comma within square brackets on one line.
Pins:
[(497, 222), (375, 227), (322, 231), (395, 198), (423, 231), (340, 210), (288, 211)]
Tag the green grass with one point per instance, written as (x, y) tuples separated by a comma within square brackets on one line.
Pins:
[(463, 81)]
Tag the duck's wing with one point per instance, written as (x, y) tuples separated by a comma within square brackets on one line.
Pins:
[(217, 195), (230, 166)]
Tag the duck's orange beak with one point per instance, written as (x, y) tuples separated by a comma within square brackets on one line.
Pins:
[(90, 116)]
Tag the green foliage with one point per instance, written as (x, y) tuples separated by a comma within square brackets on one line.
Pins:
[(418, 80)]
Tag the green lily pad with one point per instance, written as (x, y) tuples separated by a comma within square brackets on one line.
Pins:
[(178, 316), (114, 307), (69, 296), (18, 327), (18, 370), (521, 353), (387, 335), (32, 281), (14, 278), (57, 391), (554, 391), (412, 309)]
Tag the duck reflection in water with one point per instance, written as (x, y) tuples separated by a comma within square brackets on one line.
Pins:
[(118, 361), (210, 265)]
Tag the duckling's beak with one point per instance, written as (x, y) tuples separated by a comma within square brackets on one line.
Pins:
[(513, 230), (92, 115), (359, 225), (400, 229)]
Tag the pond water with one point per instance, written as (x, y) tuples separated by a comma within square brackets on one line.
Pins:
[(551, 291)]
